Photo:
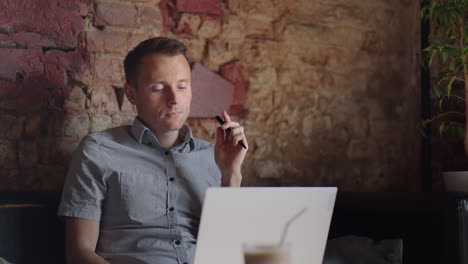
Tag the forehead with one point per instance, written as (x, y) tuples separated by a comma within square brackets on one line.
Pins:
[(160, 67)]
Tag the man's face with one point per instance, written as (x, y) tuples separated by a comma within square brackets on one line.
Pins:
[(162, 94)]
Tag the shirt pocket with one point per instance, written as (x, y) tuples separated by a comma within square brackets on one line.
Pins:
[(141, 195)]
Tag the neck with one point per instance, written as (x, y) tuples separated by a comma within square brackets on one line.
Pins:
[(168, 139)]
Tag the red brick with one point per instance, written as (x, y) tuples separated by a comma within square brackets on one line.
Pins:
[(73, 61), (238, 110), (109, 70), (33, 95), (8, 90), (188, 24), (134, 40), (26, 39), (56, 99), (150, 16), (234, 6), (36, 93), (32, 125), (212, 7), (55, 76), (60, 19), (211, 94), (168, 11), (76, 125), (54, 123), (115, 14), (56, 150), (233, 72), (21, 61), (27, 153), (259, 28), (7, 41), (83, 7), (8, 153), (111, 42), (170, 8), (210, 27), (104, 99)]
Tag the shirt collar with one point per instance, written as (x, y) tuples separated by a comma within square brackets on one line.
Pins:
[(144, 136)]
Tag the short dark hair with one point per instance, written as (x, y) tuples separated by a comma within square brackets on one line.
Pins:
[(159, 45)]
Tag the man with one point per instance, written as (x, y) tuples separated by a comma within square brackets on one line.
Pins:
[(134, 194)]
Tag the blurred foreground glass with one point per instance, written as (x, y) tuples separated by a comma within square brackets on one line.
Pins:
[(266, 254)]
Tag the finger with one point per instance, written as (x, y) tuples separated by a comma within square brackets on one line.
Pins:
[(230, 125), (246, 144), (236, 138), (244, 139), (219, 136), (237, 130), (226, 117)]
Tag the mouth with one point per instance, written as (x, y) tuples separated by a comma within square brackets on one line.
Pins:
[(172, 114)]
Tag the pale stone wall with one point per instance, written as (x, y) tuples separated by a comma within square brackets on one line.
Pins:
[(334, 92), (333, 95)]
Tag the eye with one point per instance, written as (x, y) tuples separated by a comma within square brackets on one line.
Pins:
[(182, 87), (157, 88)]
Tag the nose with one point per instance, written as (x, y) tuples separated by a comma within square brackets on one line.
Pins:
[(172, 97)]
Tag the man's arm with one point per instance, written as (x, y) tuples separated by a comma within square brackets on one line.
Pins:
[(229, 155), (81, 239), (231, 179)]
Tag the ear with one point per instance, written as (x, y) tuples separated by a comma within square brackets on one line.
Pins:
[(130, 92)]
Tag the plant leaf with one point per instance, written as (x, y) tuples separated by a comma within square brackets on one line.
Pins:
[(452, 65), (449, 86), (429, 48), (445, 55), (453, 52), (441, 101), (434, 52), (436, 90), (460, 132), (442, 128)]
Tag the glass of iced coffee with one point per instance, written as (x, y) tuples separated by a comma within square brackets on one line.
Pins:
[(266, 254)]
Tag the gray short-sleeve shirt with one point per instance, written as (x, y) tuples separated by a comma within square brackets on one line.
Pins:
[(147, 198)]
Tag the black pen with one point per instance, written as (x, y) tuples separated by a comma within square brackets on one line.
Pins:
[(221, 121)]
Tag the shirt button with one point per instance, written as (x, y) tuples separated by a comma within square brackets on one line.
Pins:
[(171, 209), (171, 179), (177, 242)]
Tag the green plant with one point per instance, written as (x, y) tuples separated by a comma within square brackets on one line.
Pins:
[(449, 44)]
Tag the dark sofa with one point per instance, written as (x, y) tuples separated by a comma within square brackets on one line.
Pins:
[(30, 231), (433, 226)]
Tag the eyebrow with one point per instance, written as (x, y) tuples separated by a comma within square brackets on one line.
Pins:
[(163, 82)]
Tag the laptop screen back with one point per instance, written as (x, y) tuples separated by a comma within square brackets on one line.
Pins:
[(236, 221)]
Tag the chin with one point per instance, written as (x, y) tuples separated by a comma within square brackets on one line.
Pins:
[(174, 126)]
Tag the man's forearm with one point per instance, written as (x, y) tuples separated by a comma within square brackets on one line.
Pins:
[(231, 179), (85, 256)]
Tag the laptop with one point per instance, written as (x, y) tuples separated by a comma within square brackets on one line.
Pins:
[(236, 221)]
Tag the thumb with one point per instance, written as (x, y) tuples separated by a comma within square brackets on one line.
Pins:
[(219, 136)]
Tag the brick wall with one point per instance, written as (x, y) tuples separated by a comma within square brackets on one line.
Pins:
[(43, 56), (328, 91)]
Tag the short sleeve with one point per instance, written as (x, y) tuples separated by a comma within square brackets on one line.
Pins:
[(85, 187)]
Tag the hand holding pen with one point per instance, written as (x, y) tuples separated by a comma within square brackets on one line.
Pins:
[(230, 148), (228, 131)]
